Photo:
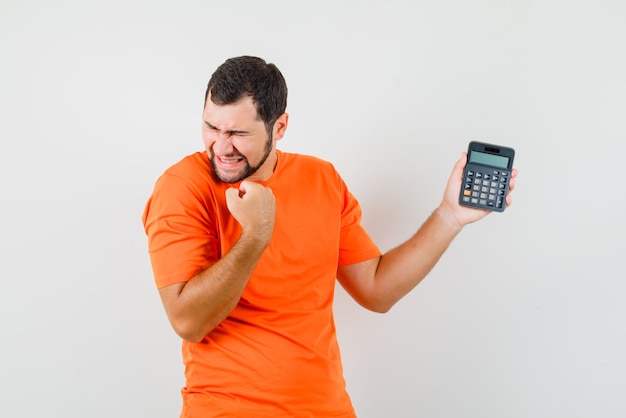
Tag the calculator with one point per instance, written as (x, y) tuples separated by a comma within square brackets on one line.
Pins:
[(486, 176)]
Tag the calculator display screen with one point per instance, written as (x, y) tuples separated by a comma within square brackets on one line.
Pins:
[(489, 159)]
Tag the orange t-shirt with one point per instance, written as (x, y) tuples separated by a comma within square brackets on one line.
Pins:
[(276, 354)]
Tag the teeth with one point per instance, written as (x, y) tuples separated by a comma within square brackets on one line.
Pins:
[(230, 160)]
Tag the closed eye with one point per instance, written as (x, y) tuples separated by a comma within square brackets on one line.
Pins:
[(228, 133)]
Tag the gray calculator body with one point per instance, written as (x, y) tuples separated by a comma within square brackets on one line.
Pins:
[(486, 176)]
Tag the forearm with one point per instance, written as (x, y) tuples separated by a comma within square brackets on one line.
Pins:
[(210, 296), (404, 267), (379, 283)]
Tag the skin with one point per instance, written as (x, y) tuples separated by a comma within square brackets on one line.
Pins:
[(237, 142), (379, 283)]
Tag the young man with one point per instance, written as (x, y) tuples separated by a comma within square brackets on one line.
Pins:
[(246, 243)]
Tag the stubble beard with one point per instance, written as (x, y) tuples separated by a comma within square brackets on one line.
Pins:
[(247, 170)]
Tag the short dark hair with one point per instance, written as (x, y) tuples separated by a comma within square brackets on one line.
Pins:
[(254, 77)]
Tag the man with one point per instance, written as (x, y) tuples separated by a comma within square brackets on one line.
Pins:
[(246, 243)]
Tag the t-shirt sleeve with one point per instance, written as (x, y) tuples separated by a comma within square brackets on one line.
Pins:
[(355, 243), (181, 232)]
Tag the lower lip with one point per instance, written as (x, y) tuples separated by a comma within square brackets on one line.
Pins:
[(229, 164)]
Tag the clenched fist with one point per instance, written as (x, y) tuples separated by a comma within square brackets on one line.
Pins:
[(254, 207)]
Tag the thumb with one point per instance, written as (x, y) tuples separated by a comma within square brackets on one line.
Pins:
[(233, 193), (460, 164)]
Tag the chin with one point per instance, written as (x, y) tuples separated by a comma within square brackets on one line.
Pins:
[(230, 179)]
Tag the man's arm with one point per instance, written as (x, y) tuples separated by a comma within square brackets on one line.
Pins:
[(195, 307), (377, 284)]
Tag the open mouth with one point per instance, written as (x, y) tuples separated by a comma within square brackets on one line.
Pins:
[(230, 160)]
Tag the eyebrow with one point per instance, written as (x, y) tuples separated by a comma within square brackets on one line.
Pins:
[(231, 132)]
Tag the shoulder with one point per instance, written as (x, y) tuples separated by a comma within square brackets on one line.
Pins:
[(310, 173), (190, 178), (307, 163), (192, 169), (192, 165)]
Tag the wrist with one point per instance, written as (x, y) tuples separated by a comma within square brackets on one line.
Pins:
[(448, 218), (254, 240)]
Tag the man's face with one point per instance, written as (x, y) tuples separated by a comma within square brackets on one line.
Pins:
[(237, 142)]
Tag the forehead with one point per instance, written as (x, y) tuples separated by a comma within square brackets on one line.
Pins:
[(236, 115)]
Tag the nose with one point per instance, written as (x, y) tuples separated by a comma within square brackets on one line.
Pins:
[(222, 143)]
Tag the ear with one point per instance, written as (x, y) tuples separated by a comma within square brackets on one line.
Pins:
[(280, 126)]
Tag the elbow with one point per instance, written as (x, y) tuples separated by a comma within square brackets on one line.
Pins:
[(381, 308), (188, 332), (188, 335), (378, 305), (190, 327), (191, 338), (373, 301)]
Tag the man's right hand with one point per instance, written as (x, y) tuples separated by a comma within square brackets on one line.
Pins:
[(254, 207), (197, 306)]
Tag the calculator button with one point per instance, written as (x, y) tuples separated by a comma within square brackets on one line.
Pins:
[(485, 187)]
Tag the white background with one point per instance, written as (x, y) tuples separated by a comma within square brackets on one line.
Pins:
[(523, 317)]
